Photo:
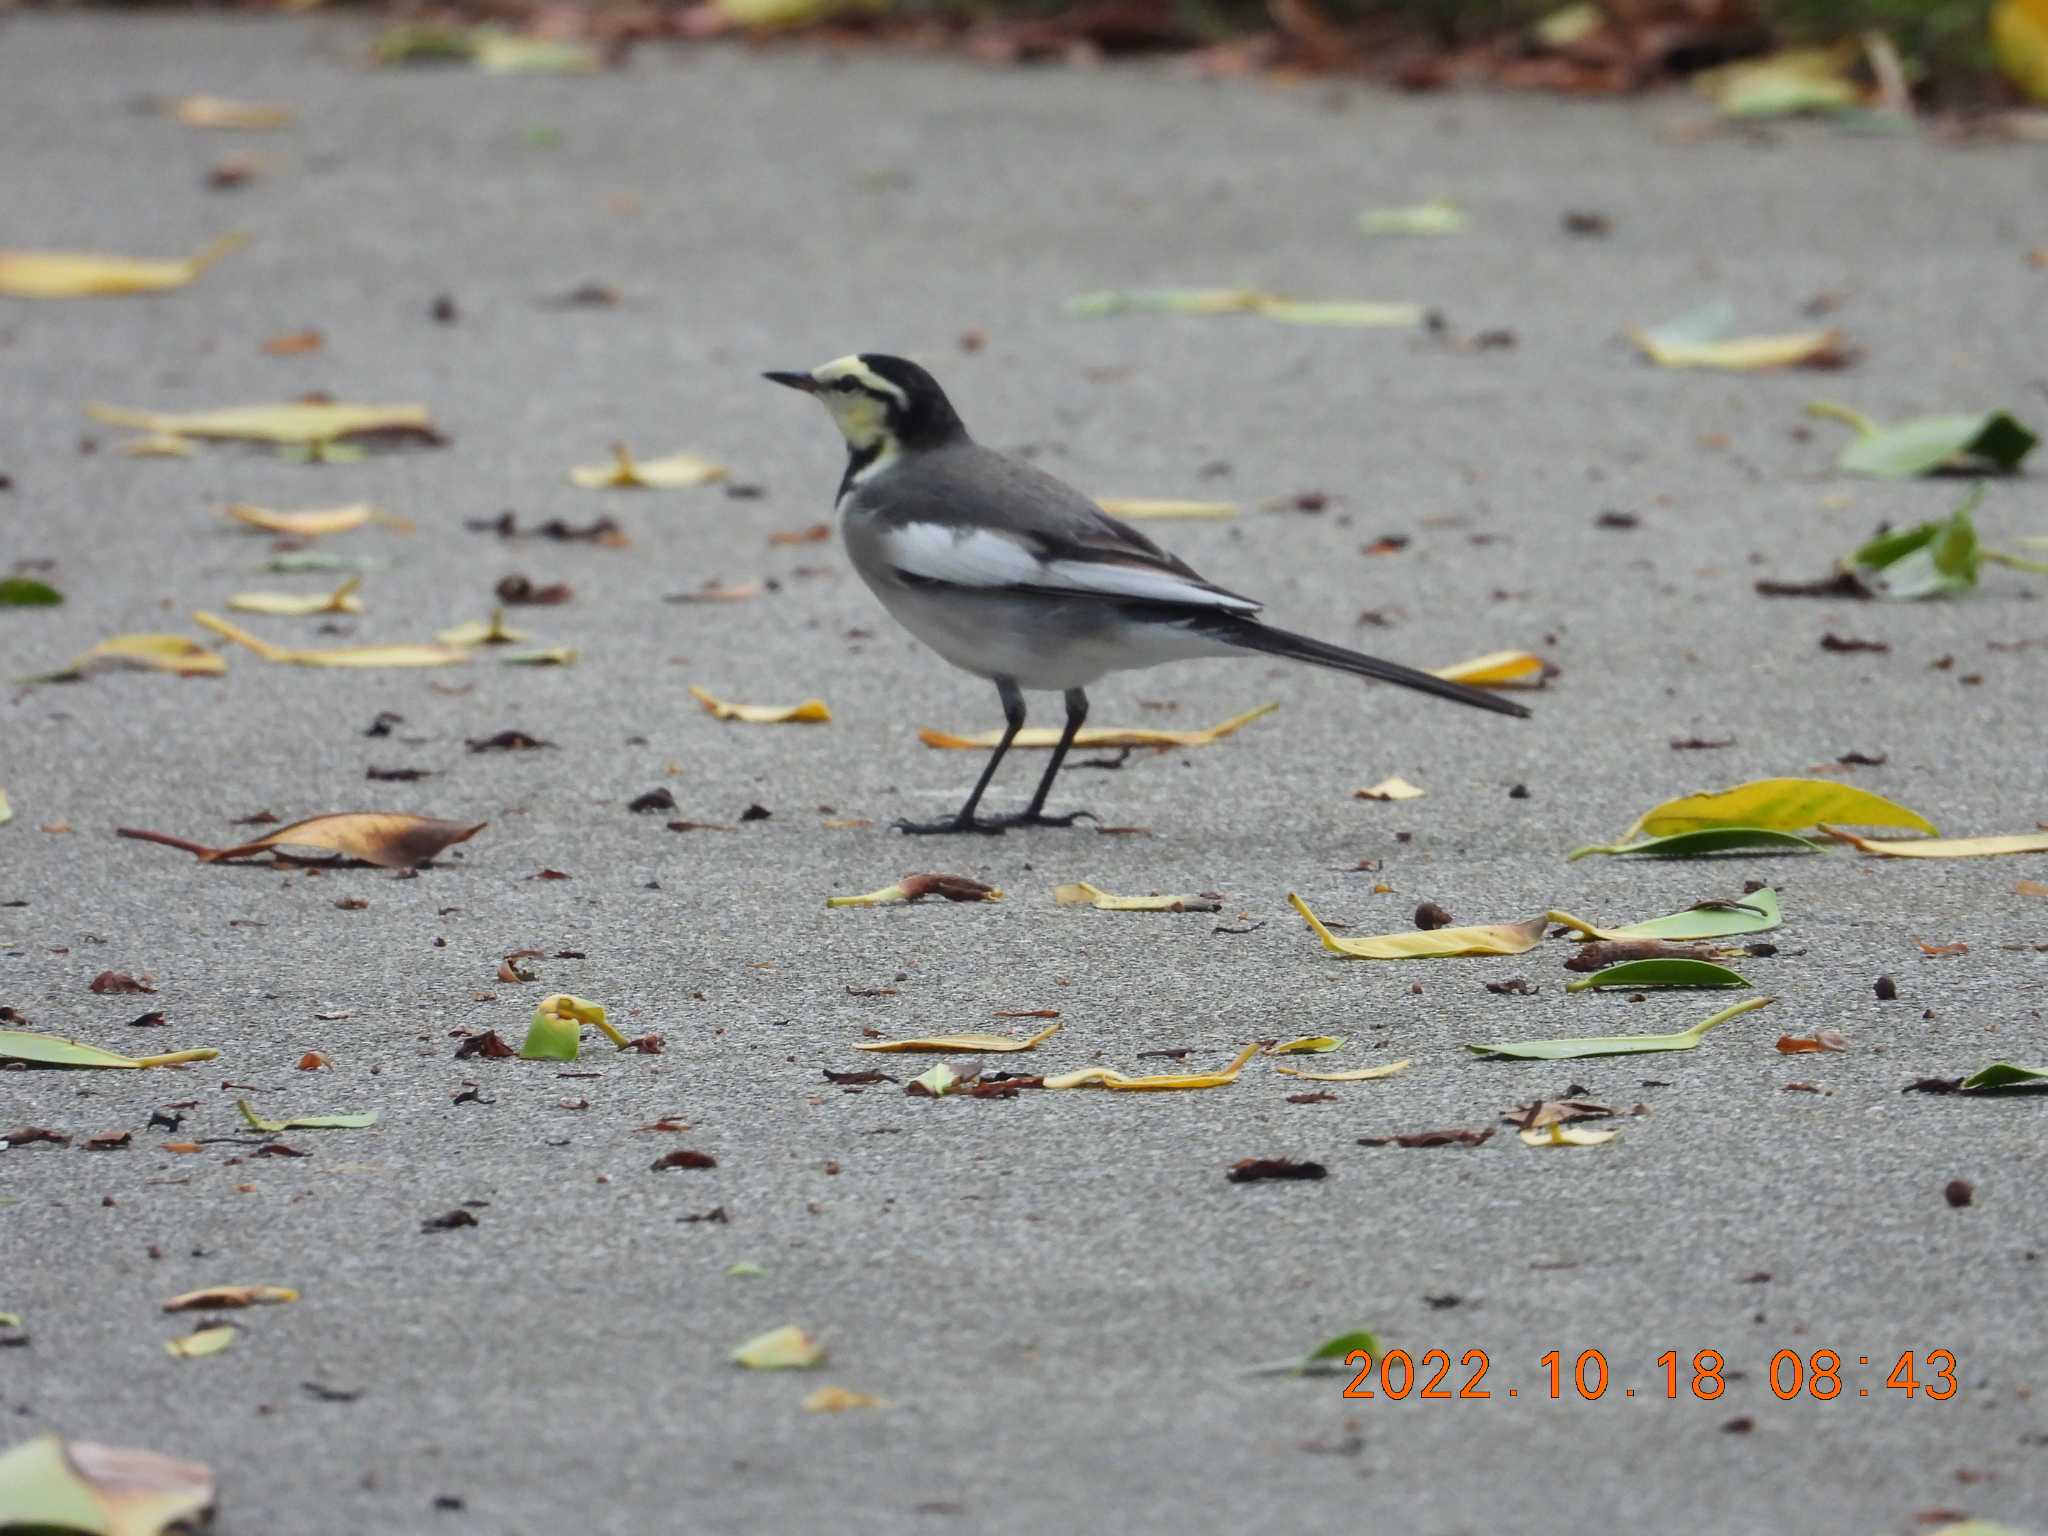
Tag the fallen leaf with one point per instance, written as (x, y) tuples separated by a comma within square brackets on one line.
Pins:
[(79, 1487), (78, 275), (1443, 1138), (313, 1061), (1787, 805), (1820, 1040), (1251, 1170), (1438, 216), (1494, 939), (316, 522), (2003, 1074), (2031, 888), (51, 1051), (492, 631), (2019, 41), (1354, 1075), (1099, 737), (1082, 894), (682, 1157), (811, 711), (962, 1045), (1756, 912), (202, 1342), (780, 1349), (1389, 789), (1307, 1045), (1786, 83), (34, 1135), (293, 343), (1660, 973), (405, 655), (558, 1022), (1106, 1077), (449, 1221), (1498, 669), (387, 839), (1701, 340), (1943, 950), (913, 888), (935, 1083), (498, 52), (177, 654), (6, 810), (297, 422), (26, 592), (1224, 301), (1687, 845), (839, 1399), (1565, 1136), (220, 1298), (1545, 1112), (1326, 1359), (718, 592), (299, 605), (676, 472), (1945, 847), (218, 112), (117, 982), (1618, 1045), (305, 1122), (1989, 441), (1141, 508)]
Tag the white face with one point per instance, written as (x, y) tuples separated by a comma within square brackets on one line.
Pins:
[(848, 388)]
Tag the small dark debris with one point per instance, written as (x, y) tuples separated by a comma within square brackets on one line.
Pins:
[(1514, 986), (1430, 915), (1324, 1097), (1741, 1425), (1845, 644), (1444, 1302), (1934, 1085), (1251, 1170), (150, 1020), (1841, 584), (584, 296), (519, 590), (653, 800), (716, 1213), (397, 775), (1699, 744), (108, 1141), (1443, 1138), (30, 1135), (256, 819), (862, 1078), (442, 311), (683, 1157), (1519, 792), (1171, 1053), (449, 1222), (118, 982), (507, 741), (1863, 760), (1886, 989), (319, 1391), (756, 813), (1959, 1192), (490, 1043), (158, 1120), (381, 726), (1613, 519), (1586, 223)]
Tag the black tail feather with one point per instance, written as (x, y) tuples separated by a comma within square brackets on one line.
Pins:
[(1251, 635)]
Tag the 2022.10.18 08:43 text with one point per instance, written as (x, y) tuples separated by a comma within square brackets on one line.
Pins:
[(1822, 1375)]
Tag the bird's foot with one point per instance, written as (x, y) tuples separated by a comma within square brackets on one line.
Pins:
[(993, 828), (1040, 819)]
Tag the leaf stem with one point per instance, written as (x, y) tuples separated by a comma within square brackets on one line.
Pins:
[(1747, 1005), (177, 1058), (183, 844), (2015, 562), (1848, 416)]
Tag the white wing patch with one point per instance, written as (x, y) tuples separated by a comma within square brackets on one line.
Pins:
[(981, 558)]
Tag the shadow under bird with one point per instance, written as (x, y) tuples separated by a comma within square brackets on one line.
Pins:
[(1019, 578)]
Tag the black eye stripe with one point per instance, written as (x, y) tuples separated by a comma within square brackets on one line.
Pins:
[(847, 385)]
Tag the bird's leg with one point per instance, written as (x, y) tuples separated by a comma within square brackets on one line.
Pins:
[(1033, 815), (1013, 716)]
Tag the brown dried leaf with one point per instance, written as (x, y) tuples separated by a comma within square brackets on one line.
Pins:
[(1443, 1138), (118, 982), (387, 839)]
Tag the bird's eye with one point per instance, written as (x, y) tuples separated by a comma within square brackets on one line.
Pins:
[(847, 385)]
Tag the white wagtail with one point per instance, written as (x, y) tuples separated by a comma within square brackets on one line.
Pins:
[(1017, 577)]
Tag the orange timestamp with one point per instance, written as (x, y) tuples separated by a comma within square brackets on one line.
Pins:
[(1396, 1375)]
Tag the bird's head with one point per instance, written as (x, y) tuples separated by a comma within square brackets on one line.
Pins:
[(882, 405)]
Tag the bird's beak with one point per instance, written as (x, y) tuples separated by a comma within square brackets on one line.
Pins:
[(802, 381)]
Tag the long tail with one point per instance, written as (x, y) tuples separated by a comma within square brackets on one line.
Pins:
[(1249, 634)]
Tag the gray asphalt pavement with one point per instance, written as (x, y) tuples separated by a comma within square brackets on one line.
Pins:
[(1058, 1295)]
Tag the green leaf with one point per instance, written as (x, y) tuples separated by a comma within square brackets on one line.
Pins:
[(306, 1122), (50, 1485), (1755, 913), (1659, 973), (1992, 441), (1925, 561), (1617, 1045), (2003, 1074), (52, 1051), (1688, 845), (1325, 1359), (10, 1319), (23, 592)]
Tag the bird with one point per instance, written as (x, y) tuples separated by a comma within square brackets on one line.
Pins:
[(1015, 576)]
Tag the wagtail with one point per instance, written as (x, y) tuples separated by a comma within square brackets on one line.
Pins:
[(1017, 577)]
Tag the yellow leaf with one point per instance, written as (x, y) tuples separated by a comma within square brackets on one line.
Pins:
[(79, 275), (148, 653), (557, 1021), (2019, 40), (676, 472), (791, 13), (1082, 894), (1146, 508), (319, 521), (207, 1341), (916, 887), (338, 656), (493, 631), (1558, 1134), (1307, 1045), (1948, 847), (158, 445), (1388, 789), (1789, 81), (296, 422), (964, 1045), (217, 112), (780, 1349), (1491, 939), (839, 1399), (299, 605), (1779, 805), (811, 711), (1743, 353), (1116, 1082), (222, 1297), (1355, 1075), (6, 810), (1340, 312), (1106, 736), (1496, 669), (506, 53)]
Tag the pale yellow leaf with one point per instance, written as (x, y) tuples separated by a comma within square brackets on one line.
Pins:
[(1792, 80), (6, 810), (964, 1045), (1491, 939), (839, 1399), (147, 653), (158, 445), (780, 1349), (1496, 669), (1389, 789), (1741, 353), (81, 275), (1099, 737), (1117, 1082), (676, 472), (207, 1341), (1082, 894), (1781, 805), (1355, 1075), (1142, 507), (337, 656), (545, 656), (293, 422), (1947, 847), (491, 631), (916, 887), (1558, 1134), (222, 1297), (218, 112), (1340, 312), (317, 522), (299, 605), (811, 711), (1307, 1045)]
